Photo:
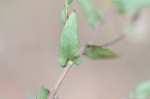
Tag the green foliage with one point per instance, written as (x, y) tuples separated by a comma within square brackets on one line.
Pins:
[(92, 15), (70, 2), (69, 41), (142, 91), (98, 52), (65, 9), (77, 60), (131, 5), (63, 15), (44, 93)]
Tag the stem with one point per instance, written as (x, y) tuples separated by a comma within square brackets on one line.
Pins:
[(61, 79), (114, 41), (122, 35), (67, 8), (102, 22), (94, 33)]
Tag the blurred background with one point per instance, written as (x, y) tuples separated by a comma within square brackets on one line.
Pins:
[(29, 38)]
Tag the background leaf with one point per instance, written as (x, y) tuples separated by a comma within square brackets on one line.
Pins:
[(70, 2), (44, 93), (98, 52), (141, 91), (65, 10), (69, 41), (63, 15), (131, 5), (92, 15)]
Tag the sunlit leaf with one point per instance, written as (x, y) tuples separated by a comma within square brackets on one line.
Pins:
[(92, 15), (69, 41), (43, 94), (141, 91), (131, 5), (98, 52)]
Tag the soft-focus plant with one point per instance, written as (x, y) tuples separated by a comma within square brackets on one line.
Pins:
[(69, 51)]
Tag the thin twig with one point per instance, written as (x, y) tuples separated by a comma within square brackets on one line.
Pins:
[(102, 22), (114, 40), (60, 80), (94, 33), (122, 35)]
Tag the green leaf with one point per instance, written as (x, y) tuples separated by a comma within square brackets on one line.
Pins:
[(44, 93), (92, 15), (141, 91), (70, 2), (63, 15), (98, 52), (68, 46), (65, 10), (67, 5), (77, 60), (131, 5)]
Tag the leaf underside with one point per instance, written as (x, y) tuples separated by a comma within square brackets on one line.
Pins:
[(97, 52)]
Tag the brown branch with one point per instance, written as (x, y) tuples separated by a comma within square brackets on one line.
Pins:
[(60, 79)]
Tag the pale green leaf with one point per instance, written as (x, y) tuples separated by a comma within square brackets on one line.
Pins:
[(92, 15), (141, 91), (69, 41), (65, 10), (70, 2), (67, 5), (77, 60), (63, 15), (43, 94), (131, 5), (98, 52)]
